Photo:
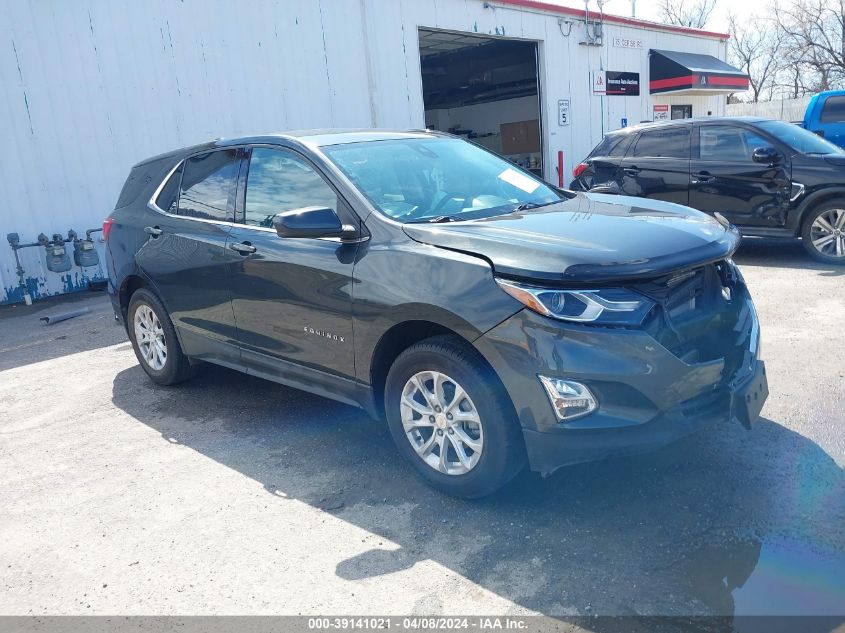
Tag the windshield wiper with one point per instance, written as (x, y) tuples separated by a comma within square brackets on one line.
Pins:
[(437, 219), (525, 206)]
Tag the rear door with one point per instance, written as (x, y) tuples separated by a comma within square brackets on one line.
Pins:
[(292, 297), (657, 165), (724, 177), (185, 254)]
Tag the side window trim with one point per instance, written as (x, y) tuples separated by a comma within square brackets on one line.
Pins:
[(151, 204), (345, 210)]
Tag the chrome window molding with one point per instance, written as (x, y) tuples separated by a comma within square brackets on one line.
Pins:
[(151, 204), (152, 201), (154, 207)]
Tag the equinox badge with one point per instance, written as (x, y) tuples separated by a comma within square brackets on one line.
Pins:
[(324, 334)]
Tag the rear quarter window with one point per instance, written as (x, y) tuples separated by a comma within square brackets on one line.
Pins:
[(169, 194), (142, 178), (612, 146)]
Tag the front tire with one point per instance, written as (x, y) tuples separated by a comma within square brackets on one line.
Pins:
[(823, 234), (451, 419), (154, 340)]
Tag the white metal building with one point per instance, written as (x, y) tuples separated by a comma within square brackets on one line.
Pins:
[(92, 86)]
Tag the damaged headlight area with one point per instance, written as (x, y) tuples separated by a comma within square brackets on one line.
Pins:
[(605, 306)]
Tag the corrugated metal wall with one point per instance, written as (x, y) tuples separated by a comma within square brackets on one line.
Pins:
[(92, 86)]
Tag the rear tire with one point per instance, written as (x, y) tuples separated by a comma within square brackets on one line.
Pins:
[(823, 233), (154, 340), (441, 393)]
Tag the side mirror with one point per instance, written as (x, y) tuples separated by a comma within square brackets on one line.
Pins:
[(766, 155), (311, 222)]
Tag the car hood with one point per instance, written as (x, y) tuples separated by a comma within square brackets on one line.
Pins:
[(590, 238)]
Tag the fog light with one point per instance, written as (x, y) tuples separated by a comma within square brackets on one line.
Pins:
[(569, 399)]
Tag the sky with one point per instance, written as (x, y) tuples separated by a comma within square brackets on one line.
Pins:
[(648, 9)]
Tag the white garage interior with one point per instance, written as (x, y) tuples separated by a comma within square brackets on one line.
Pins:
[(486, 90)]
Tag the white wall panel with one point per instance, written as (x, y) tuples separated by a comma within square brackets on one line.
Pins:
[(90, 87)]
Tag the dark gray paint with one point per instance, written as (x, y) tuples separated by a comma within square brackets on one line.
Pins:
[(248, 311)]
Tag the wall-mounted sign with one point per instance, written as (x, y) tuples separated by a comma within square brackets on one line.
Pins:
[(599, 82), (661, 112), (624, 42), (627, 84), (624, 121), (563, 112)]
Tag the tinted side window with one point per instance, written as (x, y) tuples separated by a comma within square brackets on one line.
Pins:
[(612, 146), (621, 147), (725, 142), (169, 194), (209, 184), (669, 143), (833, 110), (280, 180)]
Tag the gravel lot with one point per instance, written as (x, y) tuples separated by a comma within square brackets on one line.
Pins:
[(230, 495)]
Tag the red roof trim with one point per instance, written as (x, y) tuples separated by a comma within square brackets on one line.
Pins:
[(616, 19), (693, 80)]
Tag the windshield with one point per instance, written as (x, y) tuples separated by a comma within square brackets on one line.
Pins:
[(799, 139), (437, 179)]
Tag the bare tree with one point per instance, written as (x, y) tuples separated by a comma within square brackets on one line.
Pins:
[(755, 47), (691, 13), (814, 37)]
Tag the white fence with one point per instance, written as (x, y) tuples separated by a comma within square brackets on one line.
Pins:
[(782, 109)]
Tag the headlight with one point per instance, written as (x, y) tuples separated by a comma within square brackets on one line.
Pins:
[(606, 306)]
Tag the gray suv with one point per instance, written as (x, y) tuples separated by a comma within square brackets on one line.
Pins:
[(491, 319)]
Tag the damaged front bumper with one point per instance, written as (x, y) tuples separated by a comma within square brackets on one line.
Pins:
[(648, 394)]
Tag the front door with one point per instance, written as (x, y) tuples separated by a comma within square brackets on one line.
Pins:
[(292, 297), (657, 166), (724, 178)]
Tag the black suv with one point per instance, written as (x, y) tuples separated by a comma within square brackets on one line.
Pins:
[(490, 318), (770, 178)]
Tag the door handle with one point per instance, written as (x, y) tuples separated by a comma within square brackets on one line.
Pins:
[(153, 231), (701, 177), (631, 171), (244, 248)]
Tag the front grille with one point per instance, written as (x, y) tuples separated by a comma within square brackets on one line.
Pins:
[(680, 294), (700, 314)]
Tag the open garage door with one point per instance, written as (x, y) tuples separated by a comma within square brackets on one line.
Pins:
[(486, 90)]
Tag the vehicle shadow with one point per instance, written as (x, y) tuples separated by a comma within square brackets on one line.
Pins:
[(781, 253), (676, 532)]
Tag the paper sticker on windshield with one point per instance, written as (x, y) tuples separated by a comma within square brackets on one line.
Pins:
[(513, 177)]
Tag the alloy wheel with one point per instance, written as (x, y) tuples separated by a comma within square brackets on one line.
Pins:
[(828, 233), (149, 335), (441, 422)]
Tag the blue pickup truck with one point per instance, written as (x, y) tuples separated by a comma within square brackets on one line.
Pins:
[(825, 115)]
